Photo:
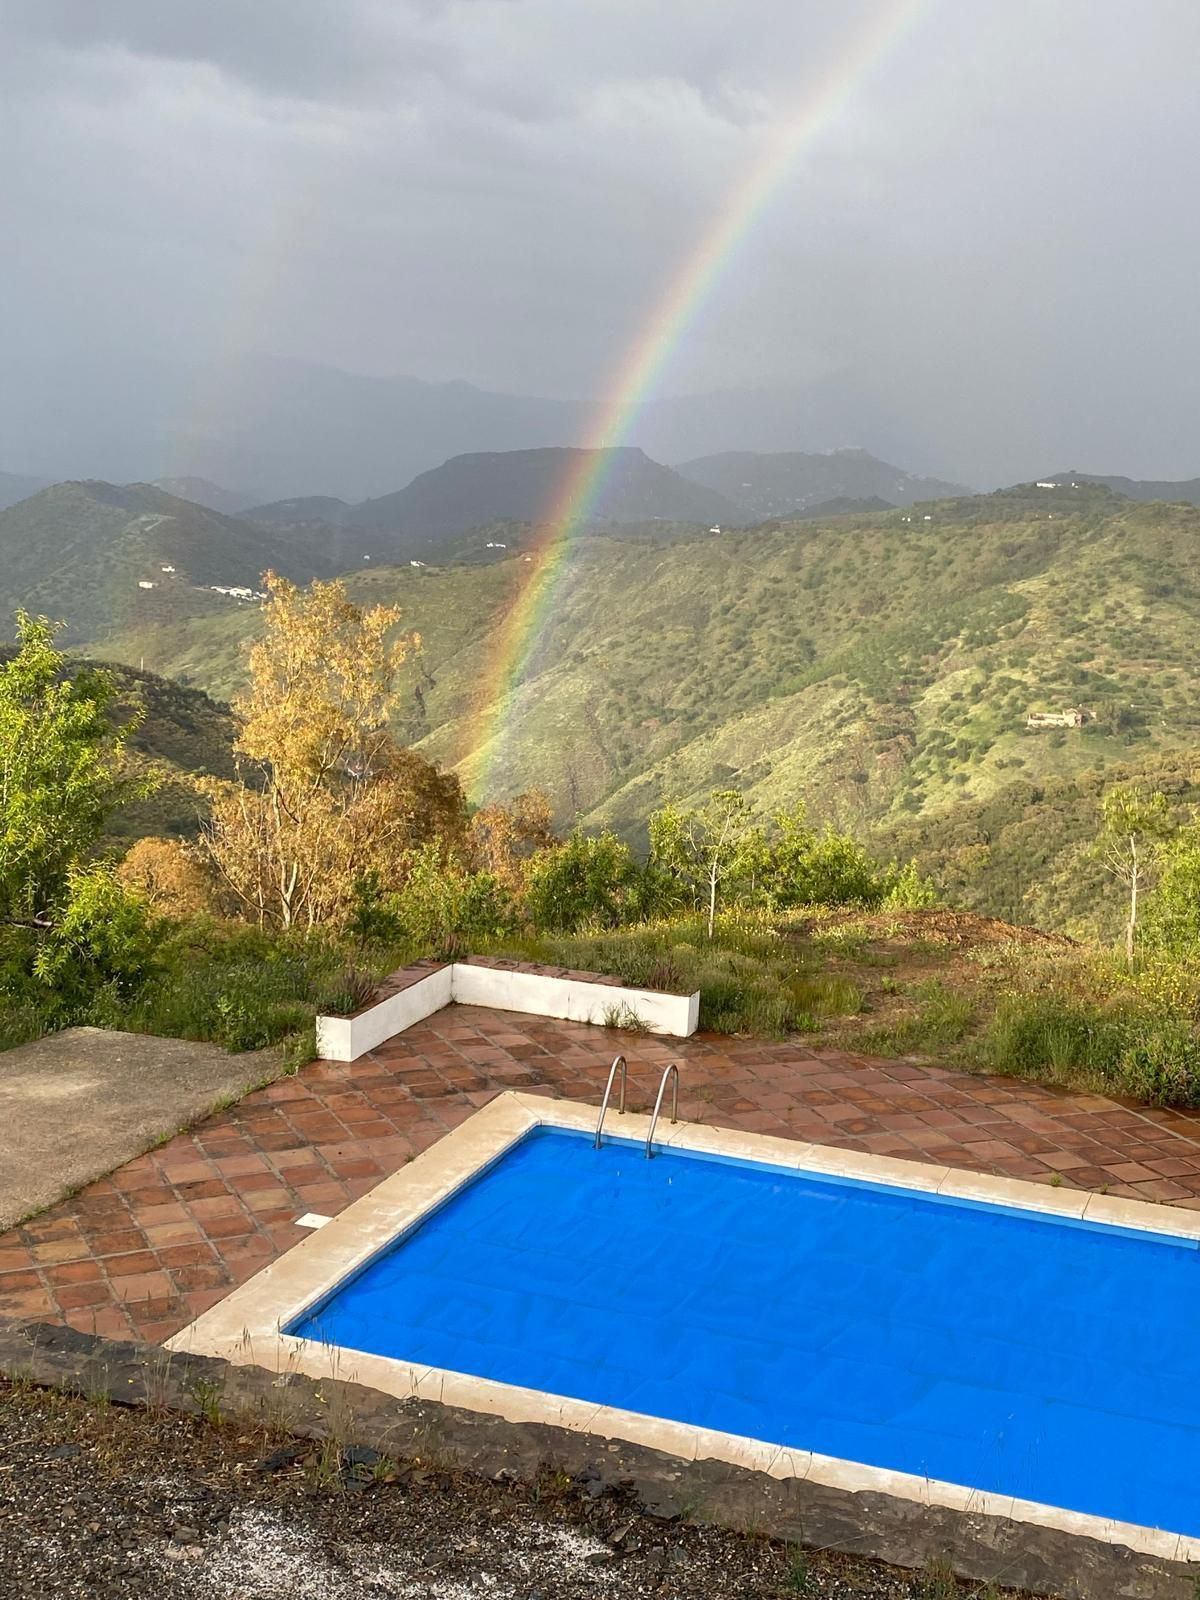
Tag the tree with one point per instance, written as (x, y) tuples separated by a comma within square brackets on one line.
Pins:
[(1135, 823), (333, 800), (807, 867), (502, 839), (1173, 911), (708, 847), (174, 877), (62, 773)]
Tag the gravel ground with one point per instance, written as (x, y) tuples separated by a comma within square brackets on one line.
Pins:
[(106, 1503)]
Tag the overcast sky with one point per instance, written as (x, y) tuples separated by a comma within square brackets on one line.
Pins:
[(995, 232)]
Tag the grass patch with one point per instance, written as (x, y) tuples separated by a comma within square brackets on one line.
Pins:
[(752, 979), (222, 982), (942, 1020)]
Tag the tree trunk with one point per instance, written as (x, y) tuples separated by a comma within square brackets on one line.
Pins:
[(1131, 930), (712, 899)]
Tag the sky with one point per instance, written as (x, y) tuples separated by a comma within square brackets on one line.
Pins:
[(989, 234)]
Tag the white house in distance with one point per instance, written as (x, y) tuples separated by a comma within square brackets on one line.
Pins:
[(145, 583)]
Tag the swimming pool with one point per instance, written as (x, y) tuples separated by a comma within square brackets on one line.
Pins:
[(977, 1343), (1045, 1358)]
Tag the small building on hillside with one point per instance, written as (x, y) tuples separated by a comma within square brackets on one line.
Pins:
[(1074, 718), (144, 583)]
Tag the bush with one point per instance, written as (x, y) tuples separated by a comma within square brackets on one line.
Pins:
[(172, 877), (1161, 1063), (446, 910), (590, 880), (1050, 1035), (908, 890), (236, 985), (103, 938), (804, 867)]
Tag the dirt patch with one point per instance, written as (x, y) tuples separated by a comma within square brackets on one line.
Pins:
[(926, 980), (961, 929)]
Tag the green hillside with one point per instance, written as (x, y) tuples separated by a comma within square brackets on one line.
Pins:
[(81, 552), (882, 667), (183, 732)]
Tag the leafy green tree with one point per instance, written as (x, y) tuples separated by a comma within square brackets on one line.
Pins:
[(1173, 910), (103, 938), (1135, 824), (62, 773), (710, 848)]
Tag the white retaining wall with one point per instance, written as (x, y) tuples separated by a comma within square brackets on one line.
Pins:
[(536, 993), (347, 1038)]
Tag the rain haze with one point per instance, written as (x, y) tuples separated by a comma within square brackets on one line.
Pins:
[(230, 227)]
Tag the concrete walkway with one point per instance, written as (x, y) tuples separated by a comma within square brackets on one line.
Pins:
[(79, 1103)]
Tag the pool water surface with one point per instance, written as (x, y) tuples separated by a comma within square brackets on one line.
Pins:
[(1045, 1358)]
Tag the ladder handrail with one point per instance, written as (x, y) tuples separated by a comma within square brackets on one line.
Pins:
[(612, 1073), (673, 1073)]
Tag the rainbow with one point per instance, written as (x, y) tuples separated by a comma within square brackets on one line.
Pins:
[(657, 342)]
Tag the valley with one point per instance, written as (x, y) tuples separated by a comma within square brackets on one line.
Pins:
[(880, 665)]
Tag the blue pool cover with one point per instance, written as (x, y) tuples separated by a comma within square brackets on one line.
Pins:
[(1052, 1360)]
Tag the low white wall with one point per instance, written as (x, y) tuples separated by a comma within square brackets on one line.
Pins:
[(502, 988), (347, 1038), (544, 996)]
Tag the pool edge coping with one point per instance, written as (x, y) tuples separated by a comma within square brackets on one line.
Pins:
[(244, 1327)]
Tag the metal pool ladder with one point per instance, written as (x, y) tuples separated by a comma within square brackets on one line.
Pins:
[(672, 1072), (618, 1063)]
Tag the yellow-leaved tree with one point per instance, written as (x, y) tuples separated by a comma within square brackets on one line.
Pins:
[(327, 801)]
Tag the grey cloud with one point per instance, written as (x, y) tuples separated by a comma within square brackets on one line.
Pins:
[(982, 254)]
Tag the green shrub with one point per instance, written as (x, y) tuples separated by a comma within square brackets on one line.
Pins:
[(1054, 1036), (445, 910), (1161, 1063), (908, 890), (590, 880), (103, 938)]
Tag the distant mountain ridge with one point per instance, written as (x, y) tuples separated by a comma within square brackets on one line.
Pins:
[(16, 486), (305, 511), (285, 428), (764, 485), (1184, 491), (527, 486), (203, 492)]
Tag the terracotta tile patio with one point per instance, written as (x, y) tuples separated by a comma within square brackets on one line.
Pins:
[(167, 1235)]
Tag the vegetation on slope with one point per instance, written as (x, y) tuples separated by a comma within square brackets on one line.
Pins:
[(882, 666), (81, 551), (339, 853)]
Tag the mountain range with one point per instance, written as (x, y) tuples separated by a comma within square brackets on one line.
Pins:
[(881, 664), (763, 485), (106, 556), (1186, 491), (277, 428)]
